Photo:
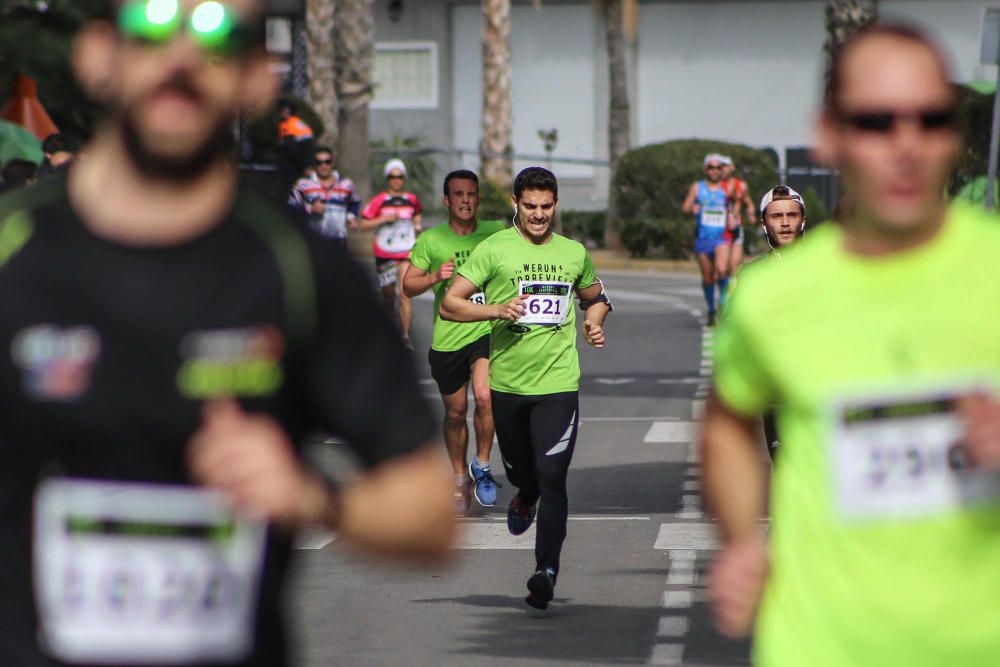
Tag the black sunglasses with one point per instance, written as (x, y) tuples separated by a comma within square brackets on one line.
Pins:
[(324, 161), (395, 176), (883, 122), (714, 166)]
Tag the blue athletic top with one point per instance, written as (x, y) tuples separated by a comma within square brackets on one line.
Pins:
[(713, 211)]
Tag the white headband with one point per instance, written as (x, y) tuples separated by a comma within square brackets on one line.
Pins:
[(791, 196), (394, 163)]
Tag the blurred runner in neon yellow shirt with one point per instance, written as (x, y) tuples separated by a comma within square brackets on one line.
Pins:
[(875, 339)]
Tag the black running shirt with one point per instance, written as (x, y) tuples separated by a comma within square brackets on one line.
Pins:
[(108, 351)]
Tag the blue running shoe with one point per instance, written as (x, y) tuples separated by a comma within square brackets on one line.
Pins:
[(519, 516), (541, 588), (485, 486)]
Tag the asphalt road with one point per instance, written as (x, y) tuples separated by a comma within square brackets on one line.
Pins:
[(631, 587)]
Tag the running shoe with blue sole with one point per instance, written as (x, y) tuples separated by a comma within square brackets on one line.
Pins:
[(541, 588), (519, 516), (484, 486)]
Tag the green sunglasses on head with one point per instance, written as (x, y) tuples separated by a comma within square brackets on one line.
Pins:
[(214, 26)]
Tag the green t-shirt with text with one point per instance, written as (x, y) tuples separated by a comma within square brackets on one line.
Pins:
[(433, 248), (885, 549), (536, 355)]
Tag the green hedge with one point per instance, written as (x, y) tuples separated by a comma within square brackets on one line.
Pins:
[(587, 227), (652, 181)]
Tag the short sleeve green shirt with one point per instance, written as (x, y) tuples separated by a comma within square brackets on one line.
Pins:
[(536, 355), (433, 248), (882, 554)]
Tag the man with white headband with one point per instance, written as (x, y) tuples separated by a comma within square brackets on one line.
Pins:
[(783, 215), (707, 200)]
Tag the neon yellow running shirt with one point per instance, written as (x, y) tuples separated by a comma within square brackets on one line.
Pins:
[(536, 355), (435, 247), (882, 554)]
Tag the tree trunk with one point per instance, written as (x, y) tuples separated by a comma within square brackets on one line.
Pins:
[(843, 19), (619, 114), (495, 148), (322, 90), (354, 48)]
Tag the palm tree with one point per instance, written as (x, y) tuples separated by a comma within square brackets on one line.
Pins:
[(619, 19), (495, 148), (354, 48), (843, 19), (322, 91)]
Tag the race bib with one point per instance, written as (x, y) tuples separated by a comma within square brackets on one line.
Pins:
[(143, 574), (712, 217), (397, 236), (548, 303), (479, 298), (901, 457), (334, 221)]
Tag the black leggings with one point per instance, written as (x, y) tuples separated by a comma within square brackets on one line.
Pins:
[(537, 436), (771, 434)]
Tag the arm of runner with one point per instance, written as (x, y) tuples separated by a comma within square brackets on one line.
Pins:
[(689, 206), (595, 314), (750, 208), (371, 223), (418, 281), (733, 484), (250, 459), (981, 417), (456, 307), (418, 225)]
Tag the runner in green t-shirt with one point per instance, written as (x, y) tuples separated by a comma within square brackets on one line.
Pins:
[(459, 352), (875, 339), (530, 276)]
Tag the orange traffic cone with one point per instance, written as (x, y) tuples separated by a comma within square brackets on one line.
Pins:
[(26, 110)]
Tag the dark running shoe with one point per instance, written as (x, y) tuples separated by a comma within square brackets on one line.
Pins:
[(541, 588), (519, 516), (711, 319)]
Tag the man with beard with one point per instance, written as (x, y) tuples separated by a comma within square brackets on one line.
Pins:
[(459, 353), (156, 384), (529, 276)]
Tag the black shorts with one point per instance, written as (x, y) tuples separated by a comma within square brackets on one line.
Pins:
[(451, 370), (386, 270)]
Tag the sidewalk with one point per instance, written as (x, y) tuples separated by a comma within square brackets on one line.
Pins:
[(610, 260)]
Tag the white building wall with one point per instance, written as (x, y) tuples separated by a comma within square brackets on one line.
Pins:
[(750, 72), (553, 65)]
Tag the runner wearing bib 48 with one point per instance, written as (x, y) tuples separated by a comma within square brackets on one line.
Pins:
[(875, 339), (459, 352), (530, 276)]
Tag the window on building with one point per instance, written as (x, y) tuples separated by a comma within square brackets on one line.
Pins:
[(406, 75)]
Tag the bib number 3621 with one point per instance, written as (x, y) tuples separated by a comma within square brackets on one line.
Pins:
[(899, 457), (140, 574), (547, 303)]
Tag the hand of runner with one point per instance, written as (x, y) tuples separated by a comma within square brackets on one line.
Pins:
[(513, 310), (446, 271), (317, 207), (250, 458), (593, 334), (735, 585), (695, 209), (981, 416)]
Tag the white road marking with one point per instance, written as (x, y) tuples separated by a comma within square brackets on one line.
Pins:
[(680, 576), (427, 381), (494, 535), (314, 539), (614, 381), (672, 626), (690, 380), (667, 654), (629, 419), (700, 536), (697, 409), (677, 599), (675, 432), (692, 485)]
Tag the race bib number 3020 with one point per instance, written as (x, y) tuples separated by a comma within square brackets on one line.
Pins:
[(547, 303), (142, 574), (901, 456)]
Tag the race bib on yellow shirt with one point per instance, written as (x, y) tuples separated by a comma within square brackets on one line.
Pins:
[(479, 298), (711, 217), (144, 574), (900, 456), (548, 302)]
